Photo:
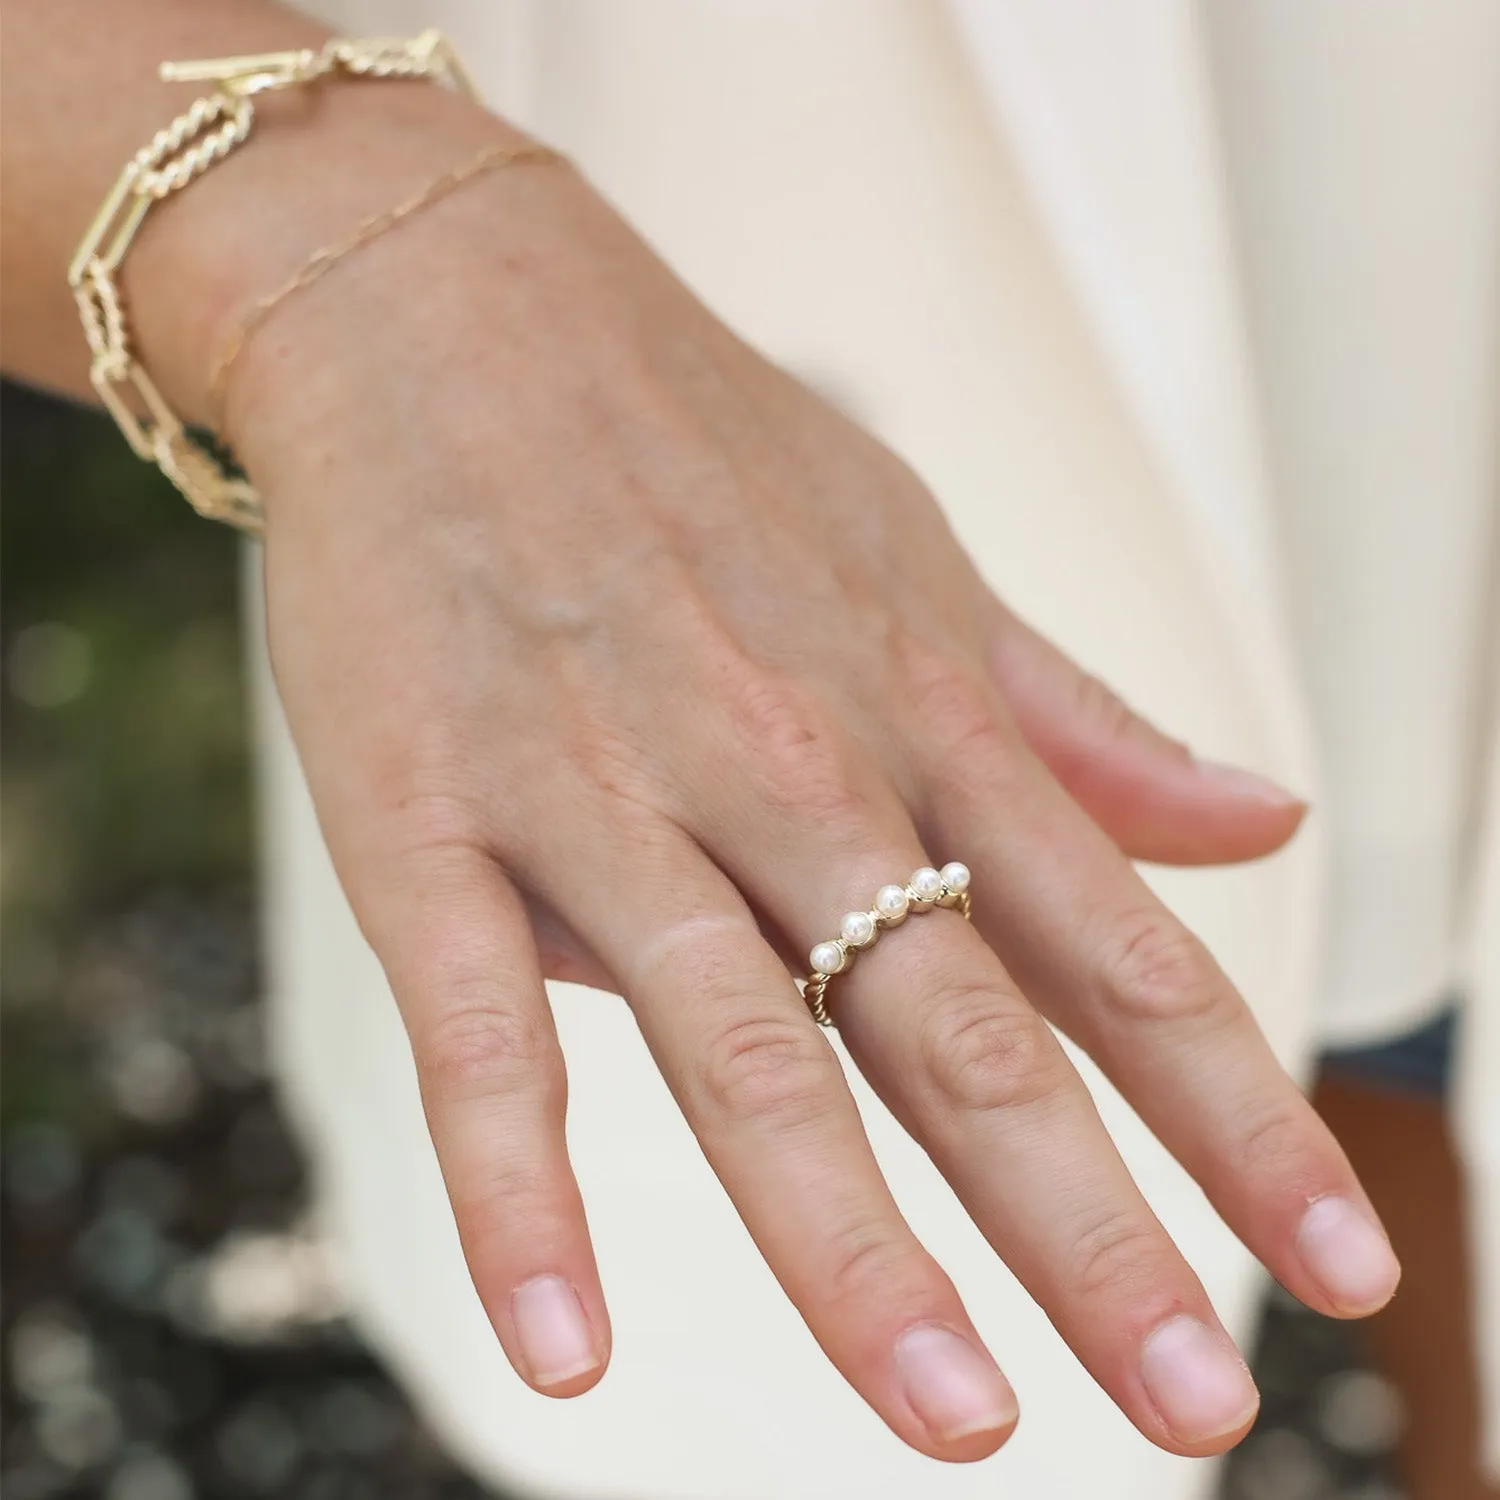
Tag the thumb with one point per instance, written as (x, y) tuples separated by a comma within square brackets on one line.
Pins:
[(1148, 792)]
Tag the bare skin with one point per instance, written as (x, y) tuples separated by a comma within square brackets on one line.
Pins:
[(613, 653)]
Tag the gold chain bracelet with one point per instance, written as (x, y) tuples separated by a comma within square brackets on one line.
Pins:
[(203, 134)]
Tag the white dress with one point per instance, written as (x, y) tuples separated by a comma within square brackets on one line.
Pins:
[(1190, 322)]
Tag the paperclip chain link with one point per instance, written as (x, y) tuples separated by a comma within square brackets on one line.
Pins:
[(209, 130)]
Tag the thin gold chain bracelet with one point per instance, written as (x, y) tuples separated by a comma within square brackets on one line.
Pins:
[(204, 134)]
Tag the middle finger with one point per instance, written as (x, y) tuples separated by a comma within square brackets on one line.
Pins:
[(1132, 985)]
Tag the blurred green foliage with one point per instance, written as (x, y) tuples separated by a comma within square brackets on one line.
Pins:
[(123, 736)]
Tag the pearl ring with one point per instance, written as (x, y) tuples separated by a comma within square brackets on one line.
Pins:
[(926, 889)]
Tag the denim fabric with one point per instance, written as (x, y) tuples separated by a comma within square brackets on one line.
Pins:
[(1417, 1062)]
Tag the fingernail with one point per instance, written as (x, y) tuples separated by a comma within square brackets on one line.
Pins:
[(556, 1340), (1238, 782), (954, 1388), (1347, 1255), (1197, 1380)]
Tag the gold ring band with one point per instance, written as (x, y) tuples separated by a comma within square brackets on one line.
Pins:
[(927, 888)]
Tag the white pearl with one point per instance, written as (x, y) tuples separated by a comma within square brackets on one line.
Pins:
[(891, 902), (956, 877), (827, 958), (926, 884), (858, 928)]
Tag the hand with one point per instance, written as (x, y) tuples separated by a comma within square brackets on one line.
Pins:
[(614, 654)]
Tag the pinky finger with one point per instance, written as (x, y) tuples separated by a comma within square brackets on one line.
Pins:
[(459, 951)]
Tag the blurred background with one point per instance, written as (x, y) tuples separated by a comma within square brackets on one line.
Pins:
[(172, 1326)]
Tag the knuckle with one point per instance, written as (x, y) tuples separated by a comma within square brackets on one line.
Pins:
[(1154, 969), (432, 815), (959, 711), (982, 1056), (476, 1050), (1116, 1256), (1274, 1143), (437, 818), (767, 1069), (611, 762), (424, 783), (1099, 706), (870, 1268), (507, 1190), (795, 749)]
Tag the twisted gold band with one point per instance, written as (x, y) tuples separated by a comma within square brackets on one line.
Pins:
[(927, 888)]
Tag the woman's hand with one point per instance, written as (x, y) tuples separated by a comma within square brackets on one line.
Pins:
[(613, 653)]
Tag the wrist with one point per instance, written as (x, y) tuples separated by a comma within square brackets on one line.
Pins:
[(320, 160)]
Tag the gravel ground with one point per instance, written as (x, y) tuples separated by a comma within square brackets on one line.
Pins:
[(171, 1330)]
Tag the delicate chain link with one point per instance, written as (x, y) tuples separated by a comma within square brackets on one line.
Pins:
[(322, 261), (209, 130)]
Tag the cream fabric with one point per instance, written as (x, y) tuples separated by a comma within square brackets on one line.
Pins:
[(1364, 150), (1006, 237), (1475, 1096)]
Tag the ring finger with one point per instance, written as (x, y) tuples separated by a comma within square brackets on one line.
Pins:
[(766, 1097)]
